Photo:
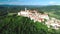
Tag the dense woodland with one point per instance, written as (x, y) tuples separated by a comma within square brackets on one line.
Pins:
[(14, 24)]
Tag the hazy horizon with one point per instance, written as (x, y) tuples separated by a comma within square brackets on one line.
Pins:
[(29, 2)]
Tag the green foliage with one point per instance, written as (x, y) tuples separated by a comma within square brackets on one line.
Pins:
[(21, 25), (13, 24), (53, 11)]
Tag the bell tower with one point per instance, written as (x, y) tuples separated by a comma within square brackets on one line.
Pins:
[(25, 9)]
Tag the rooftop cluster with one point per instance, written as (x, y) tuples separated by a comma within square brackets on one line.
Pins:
[(36, 16)]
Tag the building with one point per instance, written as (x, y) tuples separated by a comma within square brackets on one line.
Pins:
[(34, 15)]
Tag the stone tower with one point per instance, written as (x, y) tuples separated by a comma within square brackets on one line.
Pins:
[(25, 9)]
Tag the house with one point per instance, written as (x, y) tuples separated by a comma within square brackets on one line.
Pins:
[(34, 15)]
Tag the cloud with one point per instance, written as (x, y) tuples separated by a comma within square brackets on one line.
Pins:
[(10, 3), (51, 2), (1, 3), (54, 3)]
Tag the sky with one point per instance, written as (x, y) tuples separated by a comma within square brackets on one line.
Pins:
[(30, 2)]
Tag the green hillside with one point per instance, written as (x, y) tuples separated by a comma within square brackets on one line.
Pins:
[(21, 25), (13, 24), (53, 11), (10, 23)]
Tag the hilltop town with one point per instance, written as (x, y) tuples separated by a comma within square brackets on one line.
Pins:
[(36, 16)]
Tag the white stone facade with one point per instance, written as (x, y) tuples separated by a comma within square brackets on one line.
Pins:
[(40, 17)]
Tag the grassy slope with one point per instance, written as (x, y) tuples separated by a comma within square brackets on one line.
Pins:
[(53, 11)]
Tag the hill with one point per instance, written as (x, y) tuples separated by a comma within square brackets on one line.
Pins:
[(53, 11)]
